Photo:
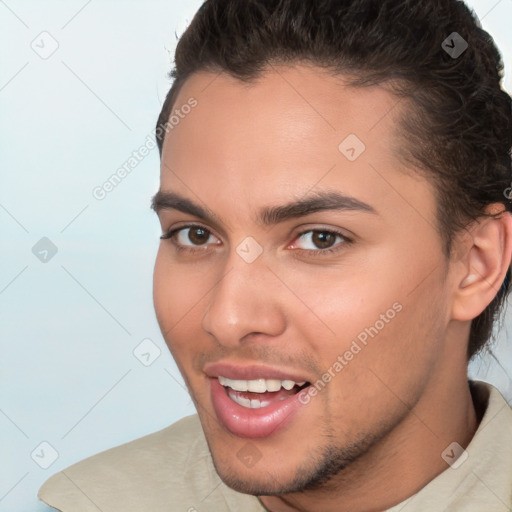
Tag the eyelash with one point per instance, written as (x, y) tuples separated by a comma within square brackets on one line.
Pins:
[(317, 252)]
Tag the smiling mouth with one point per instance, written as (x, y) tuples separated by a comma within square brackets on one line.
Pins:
[(260, 393)]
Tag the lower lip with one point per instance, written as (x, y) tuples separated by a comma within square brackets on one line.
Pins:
[(253, 423)]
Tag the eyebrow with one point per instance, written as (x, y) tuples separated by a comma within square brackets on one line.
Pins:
[(271, 215)]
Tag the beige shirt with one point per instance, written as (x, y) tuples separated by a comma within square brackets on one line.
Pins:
[(172, 470)]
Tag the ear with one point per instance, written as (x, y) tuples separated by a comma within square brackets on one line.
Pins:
[(479, 274)]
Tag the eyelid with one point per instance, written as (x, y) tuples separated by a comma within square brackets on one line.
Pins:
[(185, 225), (346, 240)]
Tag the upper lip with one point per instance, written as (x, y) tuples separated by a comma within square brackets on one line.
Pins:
[(251, 372)]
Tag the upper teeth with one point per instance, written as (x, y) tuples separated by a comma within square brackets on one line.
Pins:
[(259, 385)]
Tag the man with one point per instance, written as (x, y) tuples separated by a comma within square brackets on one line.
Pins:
[(336, 238)]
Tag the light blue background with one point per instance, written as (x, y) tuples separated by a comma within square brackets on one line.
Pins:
[(68, 327)]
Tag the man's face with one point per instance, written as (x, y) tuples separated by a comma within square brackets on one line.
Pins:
[(347, 293)]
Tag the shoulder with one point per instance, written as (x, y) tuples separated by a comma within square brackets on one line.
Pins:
[(175, 441), (142, 474)]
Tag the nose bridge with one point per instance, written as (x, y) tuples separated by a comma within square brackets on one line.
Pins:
[(242, 301)]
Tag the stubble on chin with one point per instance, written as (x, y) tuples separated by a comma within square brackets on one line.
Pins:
[(323, 471)]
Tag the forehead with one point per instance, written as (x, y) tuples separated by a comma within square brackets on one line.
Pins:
[(304, 105), (293, 130)]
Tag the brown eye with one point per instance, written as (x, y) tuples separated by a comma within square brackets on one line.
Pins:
[(319, 240), (198, 236), (323, 239), (188, 237)]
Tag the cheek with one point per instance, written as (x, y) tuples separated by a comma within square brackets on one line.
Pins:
[(161, 290), (389, 352), (177, 293), (177, 300), (336, 304), (367, 313)]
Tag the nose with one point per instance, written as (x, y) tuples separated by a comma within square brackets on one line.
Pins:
[(245, 301)]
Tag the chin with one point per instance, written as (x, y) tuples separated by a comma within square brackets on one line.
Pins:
[(321, 467), (260, 484)]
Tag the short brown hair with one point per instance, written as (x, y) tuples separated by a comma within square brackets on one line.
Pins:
[(459, 129)]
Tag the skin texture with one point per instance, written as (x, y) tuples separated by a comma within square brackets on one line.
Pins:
[(374, 435)]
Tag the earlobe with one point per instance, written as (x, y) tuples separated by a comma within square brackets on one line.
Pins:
[(484, 266)]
